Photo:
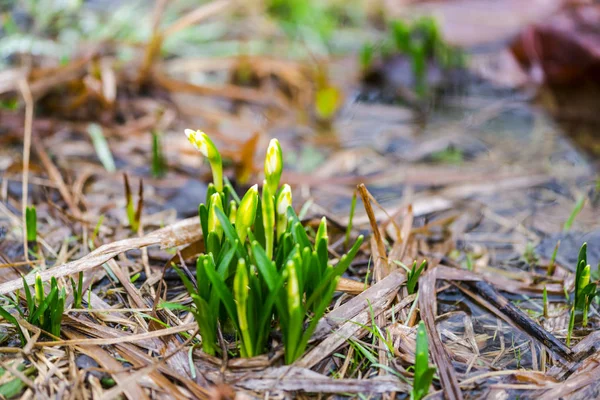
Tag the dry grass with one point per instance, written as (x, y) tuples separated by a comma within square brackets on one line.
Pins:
[(480, 298)]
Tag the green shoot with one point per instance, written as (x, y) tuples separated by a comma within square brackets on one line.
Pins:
[(77, 291), (412, 276), (159, 168), (101, 147), (421, 43), (545, 301), (31, 223), (571, 326), (350, 218), (44, 310), (552, 263), (94, 235), (134, 215), (585, 290), (423, 372), (15, 387), (260, 266), (576, 210), (327, 102), (469, 261), (366, 56)]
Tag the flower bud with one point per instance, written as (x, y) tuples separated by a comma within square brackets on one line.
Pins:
[(322, 231), (273, 165), (232, 212), (246, 213), (213, 220), (293, 288), (284, 200), (240, 295), (204, 145)]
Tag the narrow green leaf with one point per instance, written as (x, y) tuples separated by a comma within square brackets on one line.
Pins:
[(240, 295), (31, 223), (224, 294), (101, 147)]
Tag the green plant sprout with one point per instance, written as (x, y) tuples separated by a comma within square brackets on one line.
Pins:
[(31, 224), (134, 215), (585, 291), (260, 268), (77, 291), (421, 42), (412, 276), (571, 326), (545, 301), (576, 210), (350, 219), (552, 263), (423, 372), (159, 168), (42, 310)]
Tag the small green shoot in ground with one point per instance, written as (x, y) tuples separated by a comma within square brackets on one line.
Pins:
[(585, 290), (350, 219), (571, 326), (159, 167), (412, 276), (101, 147), (31, 223), (552, 263), (576, 210), (423, 372), (44, 310), (450, 155), (545, 301), (77, 291), (134, 215)]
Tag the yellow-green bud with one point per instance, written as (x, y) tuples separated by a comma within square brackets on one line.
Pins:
[(273, 165), (293, 288), (204, 145), (213, 221), (322, 231), (39, 289), (232, 211), (585, 277), (284, 200), (240, 295), (246, 213)]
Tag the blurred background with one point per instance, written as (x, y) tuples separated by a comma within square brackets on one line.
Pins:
[(485, 108)]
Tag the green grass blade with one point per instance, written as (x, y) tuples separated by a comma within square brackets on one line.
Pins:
[(264, 265), (101, 147), (12, 320), (31, 223), (224, 294)]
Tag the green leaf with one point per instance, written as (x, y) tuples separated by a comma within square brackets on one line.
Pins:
[(266, 313), (240, 295), (265, 265), (101, 147), (230, 232), (224, 294), (203, 215), (296, 315), (28, 296), (423, 373), (31, 223), (11, 319), (37, 317), (413, 276)]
